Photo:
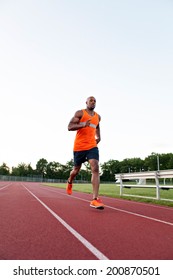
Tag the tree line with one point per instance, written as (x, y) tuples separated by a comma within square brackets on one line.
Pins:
[(56, 170)]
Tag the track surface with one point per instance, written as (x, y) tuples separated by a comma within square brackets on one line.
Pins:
[(43, 223)]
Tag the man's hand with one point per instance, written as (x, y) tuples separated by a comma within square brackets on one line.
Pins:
[(87, 123)]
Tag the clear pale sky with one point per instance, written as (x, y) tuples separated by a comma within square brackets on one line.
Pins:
[(54, 54)]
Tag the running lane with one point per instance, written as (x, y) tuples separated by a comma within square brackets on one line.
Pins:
[(29, 231), (123, 230)]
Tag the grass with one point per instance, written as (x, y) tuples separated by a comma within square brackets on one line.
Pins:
[(113, 190)]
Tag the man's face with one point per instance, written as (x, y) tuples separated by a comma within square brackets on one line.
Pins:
[(91, 103)]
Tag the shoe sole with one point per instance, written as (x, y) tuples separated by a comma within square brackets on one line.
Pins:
[(97, 207)]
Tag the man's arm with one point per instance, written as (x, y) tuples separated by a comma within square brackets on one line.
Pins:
[(75, 124), (98, 135)]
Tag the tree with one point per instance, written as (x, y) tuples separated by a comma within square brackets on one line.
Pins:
[(22, 170), (54, 170), (131, 165), (41, 167), (151, 162), (4, 169), (165, 161), (109, 169)]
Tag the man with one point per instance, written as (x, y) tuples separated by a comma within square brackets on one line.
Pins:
[(86, 122)]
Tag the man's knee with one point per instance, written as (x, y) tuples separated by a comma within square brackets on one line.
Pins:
[(94, 166), (95, 169), (76, 169)]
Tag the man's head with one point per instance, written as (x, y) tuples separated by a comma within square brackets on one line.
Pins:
[(91, 103)]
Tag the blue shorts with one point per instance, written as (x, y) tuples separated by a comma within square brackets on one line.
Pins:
[(82, 156)]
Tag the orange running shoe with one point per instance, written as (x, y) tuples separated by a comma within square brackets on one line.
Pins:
[(97, 203), (69, 188)]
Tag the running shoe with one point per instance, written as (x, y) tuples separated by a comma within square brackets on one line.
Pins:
[(69, 188), (97, 203)]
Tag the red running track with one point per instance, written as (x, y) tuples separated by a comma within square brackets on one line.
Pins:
[(43, 223)]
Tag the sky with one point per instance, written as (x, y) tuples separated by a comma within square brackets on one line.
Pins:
[(54, 54)]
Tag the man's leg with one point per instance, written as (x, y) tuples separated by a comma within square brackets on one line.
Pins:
[(95, 178), (74, 173)]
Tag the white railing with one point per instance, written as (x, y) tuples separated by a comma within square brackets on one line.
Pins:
[(156, 175)]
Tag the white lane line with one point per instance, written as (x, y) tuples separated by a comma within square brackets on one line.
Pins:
[(5, 187), (87, 244), (141, 216), (121, 210)]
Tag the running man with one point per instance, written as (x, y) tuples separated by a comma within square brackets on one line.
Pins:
[(86, 122)]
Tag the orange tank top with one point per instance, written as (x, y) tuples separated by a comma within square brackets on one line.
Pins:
[(85, 137)]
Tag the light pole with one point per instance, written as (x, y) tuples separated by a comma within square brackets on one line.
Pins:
[(158, 164)]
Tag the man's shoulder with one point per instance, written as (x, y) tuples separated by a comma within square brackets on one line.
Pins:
[(79, 113), (98, 116)]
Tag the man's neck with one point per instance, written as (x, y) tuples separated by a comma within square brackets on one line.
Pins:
[(90, 111)]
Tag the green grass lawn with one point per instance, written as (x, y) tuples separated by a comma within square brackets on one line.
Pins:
[(113, 190)]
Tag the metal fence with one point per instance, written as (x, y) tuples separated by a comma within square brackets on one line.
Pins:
[(30, 179), (143, 176), (36, 179)]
